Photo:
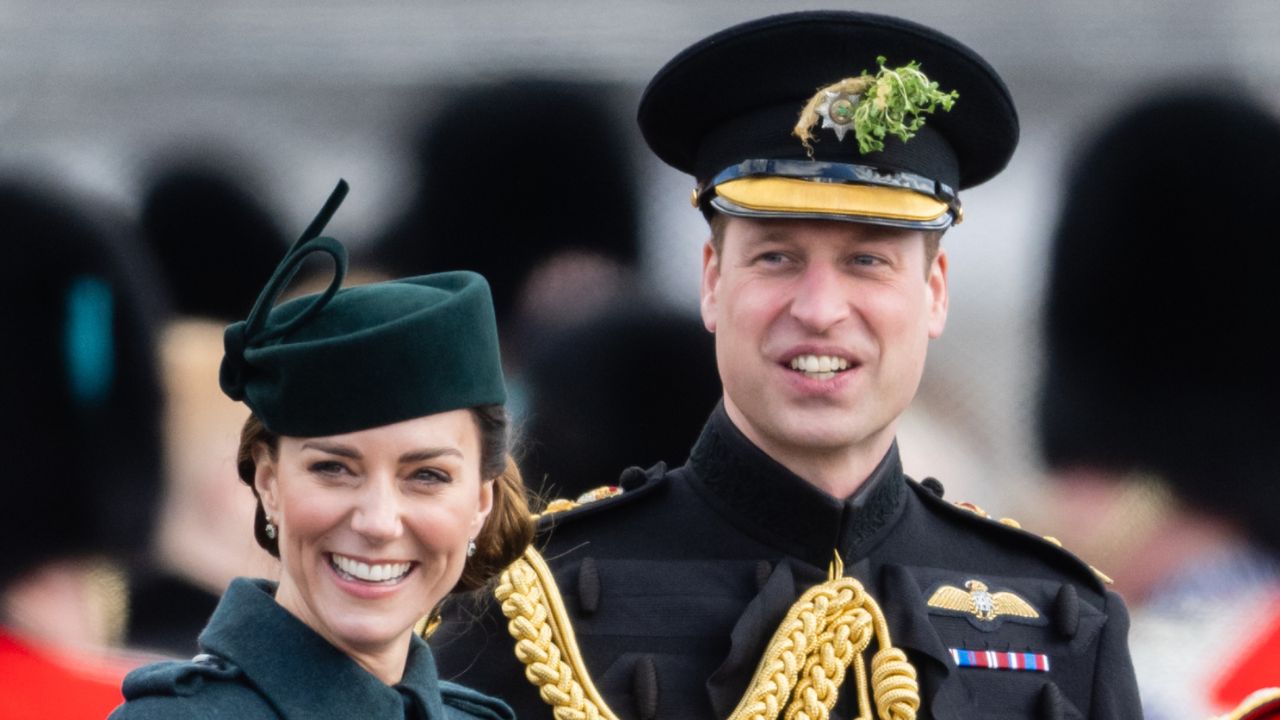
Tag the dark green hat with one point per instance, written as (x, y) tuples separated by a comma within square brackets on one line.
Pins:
[(346, 360), (805, 115)]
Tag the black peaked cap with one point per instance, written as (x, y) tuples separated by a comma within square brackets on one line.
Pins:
[(737, 94)]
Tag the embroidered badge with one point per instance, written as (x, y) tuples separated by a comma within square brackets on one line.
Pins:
[(995, 660), (984, 609)]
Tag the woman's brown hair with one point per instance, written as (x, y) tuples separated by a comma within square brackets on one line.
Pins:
[(507, 531)]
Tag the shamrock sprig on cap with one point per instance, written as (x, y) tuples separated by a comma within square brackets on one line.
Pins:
[(891, 102)]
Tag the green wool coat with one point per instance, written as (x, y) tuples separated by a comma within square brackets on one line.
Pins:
[(259, 661)]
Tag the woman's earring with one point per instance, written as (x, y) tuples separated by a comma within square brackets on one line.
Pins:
[(270, 529), (471, 547)]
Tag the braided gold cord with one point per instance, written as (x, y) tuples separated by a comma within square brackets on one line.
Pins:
[(894, 679), (537, 621), (847, 634), (798, 678)]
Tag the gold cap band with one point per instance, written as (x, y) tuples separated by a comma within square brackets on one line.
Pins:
[(781, 195)]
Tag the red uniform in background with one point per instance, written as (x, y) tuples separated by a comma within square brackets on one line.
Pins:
[(45, 683)]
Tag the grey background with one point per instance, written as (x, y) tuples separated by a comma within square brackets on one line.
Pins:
[(91, 94)]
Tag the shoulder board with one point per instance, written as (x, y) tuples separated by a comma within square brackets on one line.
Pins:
[(969, 511), (463, 702), (633, 484), (178, 677)]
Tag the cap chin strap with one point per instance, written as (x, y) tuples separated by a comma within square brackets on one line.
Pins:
[(812, 188), (728, 207), (799, 675)]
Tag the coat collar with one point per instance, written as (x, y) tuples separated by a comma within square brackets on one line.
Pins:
[(300, 673), (773, 504)]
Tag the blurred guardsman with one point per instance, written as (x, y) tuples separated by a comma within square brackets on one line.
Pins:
[(80, 401), (1160, 402), (790, 566)]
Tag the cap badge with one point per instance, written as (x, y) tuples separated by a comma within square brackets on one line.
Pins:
[(837, 111), (891, 102), (978, 603)]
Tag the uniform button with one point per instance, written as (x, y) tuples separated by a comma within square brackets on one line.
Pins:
[(1054, 706), (633, 477), (588, 586), (1066, 611), (763, 570), (644, 688), (933, 486)]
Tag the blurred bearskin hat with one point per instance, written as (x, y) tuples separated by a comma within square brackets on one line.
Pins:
[(215, 241), (510, 174), (632, 386), (79, 392), (1162, 305)]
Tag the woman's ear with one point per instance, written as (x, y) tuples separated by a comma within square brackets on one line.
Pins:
[(487, 489), (265, 478)]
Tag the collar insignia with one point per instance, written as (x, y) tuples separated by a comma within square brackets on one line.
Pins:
[(984, 609)]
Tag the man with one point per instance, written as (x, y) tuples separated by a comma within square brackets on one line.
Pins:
[(823, 283)]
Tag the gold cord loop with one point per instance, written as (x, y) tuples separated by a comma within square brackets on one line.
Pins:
[(798, 678)]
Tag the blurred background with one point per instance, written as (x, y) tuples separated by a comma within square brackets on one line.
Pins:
[(202, 123), (96, 95)]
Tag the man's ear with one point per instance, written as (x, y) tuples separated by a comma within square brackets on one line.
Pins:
[(938, 294), (710, 283)]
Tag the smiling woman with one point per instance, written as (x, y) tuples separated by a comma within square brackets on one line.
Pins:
[(378, 453)]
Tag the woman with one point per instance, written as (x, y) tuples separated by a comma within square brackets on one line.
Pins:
[(377, 450)]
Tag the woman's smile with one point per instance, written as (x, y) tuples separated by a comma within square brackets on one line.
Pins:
[(383, 573)]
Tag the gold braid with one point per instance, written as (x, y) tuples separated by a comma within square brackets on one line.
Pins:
[(799, 674), (544, 639)]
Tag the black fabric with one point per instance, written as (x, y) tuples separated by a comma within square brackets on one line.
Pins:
[(764, 499), (679, 584)]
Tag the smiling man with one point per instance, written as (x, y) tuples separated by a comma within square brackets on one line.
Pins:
[(821, 330), (790, 567)]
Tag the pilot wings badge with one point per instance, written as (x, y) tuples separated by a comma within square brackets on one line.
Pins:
[(984, 609)]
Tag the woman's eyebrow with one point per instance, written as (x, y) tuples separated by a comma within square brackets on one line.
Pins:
[(332, 449), (429, 454)]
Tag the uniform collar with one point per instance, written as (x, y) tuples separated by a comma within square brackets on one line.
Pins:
[(773, 504), (300, 673)]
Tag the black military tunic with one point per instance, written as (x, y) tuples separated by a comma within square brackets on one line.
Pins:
[(676, 587)]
